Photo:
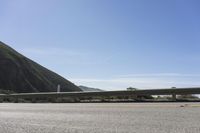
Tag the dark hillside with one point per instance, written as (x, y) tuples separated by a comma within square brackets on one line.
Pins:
[(84, 88), (20, 74)]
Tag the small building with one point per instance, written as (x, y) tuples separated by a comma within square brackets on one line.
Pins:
[(131, 89)]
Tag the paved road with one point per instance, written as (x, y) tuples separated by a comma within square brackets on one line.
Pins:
[(100, 118)]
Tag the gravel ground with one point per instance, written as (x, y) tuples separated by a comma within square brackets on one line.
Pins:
[(100, 118)]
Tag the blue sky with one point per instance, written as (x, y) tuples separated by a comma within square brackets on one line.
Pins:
[(108, 44)]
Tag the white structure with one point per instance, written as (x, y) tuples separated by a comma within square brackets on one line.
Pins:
[(58, 88)]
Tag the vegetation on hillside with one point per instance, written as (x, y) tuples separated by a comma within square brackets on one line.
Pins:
[(84, 88), (20, 74)]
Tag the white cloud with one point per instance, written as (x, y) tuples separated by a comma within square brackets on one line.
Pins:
[(138, 82), (51, 52), (58, 56), (64, 56), (121, 82), (161, 75)]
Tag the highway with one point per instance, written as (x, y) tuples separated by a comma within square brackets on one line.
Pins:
[(167, 91)]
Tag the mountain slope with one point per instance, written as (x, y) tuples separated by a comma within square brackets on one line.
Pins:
[(84, 88), (20, 74)]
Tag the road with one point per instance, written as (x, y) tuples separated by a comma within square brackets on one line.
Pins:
[(100, 118)]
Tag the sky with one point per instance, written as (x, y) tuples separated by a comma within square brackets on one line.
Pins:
[(108, 44)]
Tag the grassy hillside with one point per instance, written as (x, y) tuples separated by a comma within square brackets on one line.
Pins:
[(20, 74)]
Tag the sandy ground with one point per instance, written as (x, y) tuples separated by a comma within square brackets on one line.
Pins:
[(100, 118)]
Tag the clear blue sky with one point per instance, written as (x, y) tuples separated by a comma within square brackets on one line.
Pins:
[(109, 44)]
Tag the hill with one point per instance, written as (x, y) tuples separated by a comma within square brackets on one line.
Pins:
[(84, 88), (20, 74)]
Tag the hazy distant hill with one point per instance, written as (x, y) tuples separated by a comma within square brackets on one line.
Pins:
[(20, 74), (84, 88)]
